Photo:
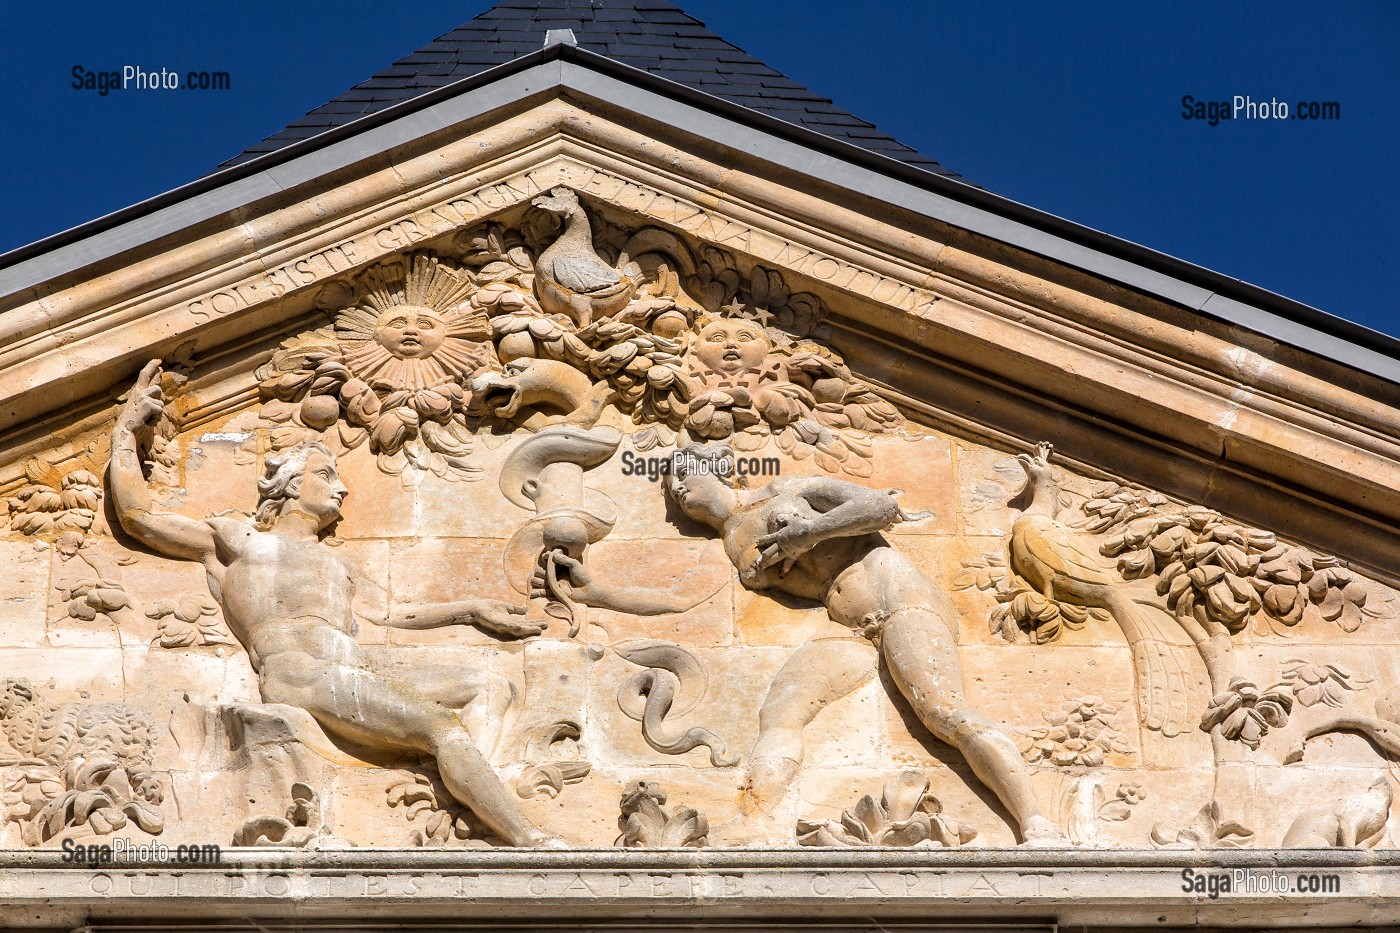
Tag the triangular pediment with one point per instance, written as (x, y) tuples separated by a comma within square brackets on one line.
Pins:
[(501, 318)]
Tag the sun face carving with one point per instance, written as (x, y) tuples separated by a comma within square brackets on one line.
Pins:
[(413, 327), (411, 363), (395, 370), (410, 333)]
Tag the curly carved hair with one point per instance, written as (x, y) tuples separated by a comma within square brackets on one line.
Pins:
[(281, 480)]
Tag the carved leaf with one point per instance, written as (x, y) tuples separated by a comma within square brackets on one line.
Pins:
[(1115, 811)]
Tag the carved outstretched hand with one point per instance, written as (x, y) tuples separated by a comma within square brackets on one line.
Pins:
[(499, 618), (145, 404), (787, 544), (1041, 457)]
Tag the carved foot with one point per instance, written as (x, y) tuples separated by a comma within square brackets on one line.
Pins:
[(1040, 833), (543, 840)]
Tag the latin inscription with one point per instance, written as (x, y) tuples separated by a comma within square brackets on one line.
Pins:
[(490, 199), (845, 884)]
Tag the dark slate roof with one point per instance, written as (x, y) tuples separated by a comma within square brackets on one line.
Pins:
[(652, 35)]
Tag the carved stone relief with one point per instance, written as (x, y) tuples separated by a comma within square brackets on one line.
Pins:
[(646, 824), (689, 564), (545, 322), (76, 766), (906, 814)]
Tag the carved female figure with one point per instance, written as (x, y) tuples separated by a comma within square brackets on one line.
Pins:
[(819, 539)]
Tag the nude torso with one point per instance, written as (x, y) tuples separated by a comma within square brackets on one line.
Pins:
[(282, 595)]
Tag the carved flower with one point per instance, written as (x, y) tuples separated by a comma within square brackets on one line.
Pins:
[(437, 403), (1338, 594), (362, 405), (1244, 714), (1320, 683), (645, 824), (188, 621), (1023, 609), (1131, 794), (906, 814), (1080, 735)]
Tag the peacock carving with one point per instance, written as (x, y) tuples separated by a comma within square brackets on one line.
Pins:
[(1047, 555)]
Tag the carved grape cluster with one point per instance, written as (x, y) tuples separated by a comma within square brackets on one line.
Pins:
[(1020, 608)]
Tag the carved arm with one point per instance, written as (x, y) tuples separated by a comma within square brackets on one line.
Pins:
[(844, 510), (166, 532), (635, 600), (489, 615)]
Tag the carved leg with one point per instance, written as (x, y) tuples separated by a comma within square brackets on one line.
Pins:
[(484, 698), (923, 662), (817, 674), (368, 708)]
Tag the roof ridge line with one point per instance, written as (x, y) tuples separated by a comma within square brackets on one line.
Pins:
[(654, 36)]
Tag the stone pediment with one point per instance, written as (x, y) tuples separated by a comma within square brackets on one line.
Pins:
[(566, 475)]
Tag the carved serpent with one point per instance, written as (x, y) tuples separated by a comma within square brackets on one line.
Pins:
[(650, 695)]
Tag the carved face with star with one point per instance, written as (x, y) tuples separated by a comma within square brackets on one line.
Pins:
[(732, 346)]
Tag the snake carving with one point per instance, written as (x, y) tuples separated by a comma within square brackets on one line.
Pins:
[(672, 681)]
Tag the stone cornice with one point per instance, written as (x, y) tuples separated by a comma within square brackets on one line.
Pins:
[(1068, 887)]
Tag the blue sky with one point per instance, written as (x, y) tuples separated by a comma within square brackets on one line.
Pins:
[(1074, 108)]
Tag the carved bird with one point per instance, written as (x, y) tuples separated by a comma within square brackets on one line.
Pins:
[(570, 277), (1047, 555)]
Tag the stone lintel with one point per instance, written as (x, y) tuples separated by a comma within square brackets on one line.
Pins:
[(1066, 887)]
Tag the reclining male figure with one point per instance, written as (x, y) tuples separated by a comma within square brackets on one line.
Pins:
[(287, 598)]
